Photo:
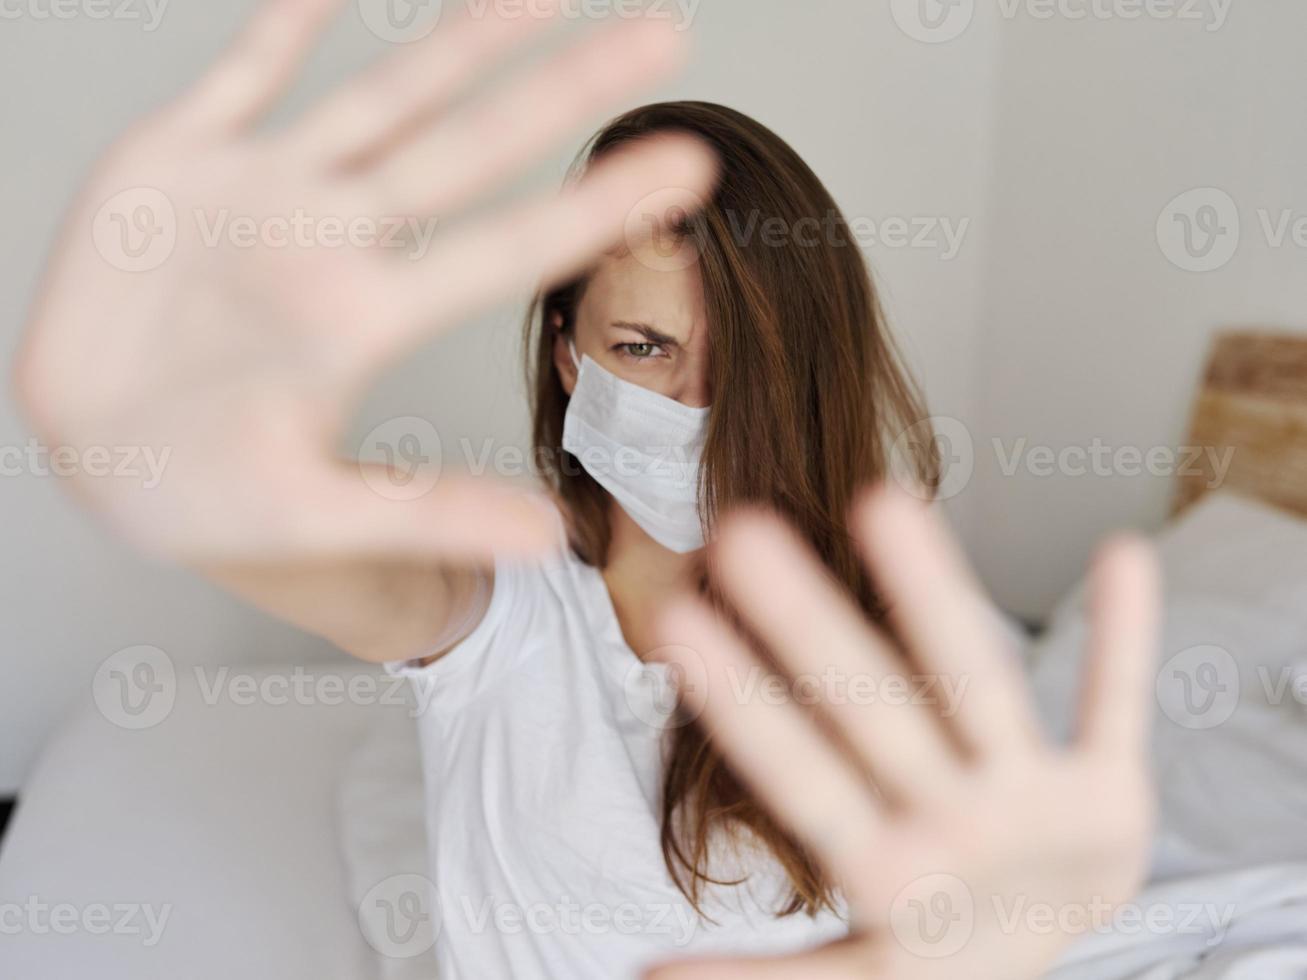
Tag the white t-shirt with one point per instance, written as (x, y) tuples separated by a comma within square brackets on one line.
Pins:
[(542, 757)]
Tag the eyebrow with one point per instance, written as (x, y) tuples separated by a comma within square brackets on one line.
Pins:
[(648, 332)]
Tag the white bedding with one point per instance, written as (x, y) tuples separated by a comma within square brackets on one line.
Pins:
[(224, 812), (1229, 884), (1249, 924)]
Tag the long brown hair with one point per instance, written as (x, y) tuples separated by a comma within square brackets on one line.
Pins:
[(809, 392)]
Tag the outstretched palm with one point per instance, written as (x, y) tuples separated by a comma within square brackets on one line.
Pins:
[(982, 850), (220, 298)]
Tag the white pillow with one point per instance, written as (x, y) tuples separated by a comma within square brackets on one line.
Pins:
[(1232, 776), (1241, 549), (1230, 546)]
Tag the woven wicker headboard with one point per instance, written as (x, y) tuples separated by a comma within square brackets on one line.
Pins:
[(1254, 401)]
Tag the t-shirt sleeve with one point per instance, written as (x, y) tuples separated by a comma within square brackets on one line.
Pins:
[(476, 663)]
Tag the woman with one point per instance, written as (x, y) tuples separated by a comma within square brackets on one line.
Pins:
[(675, 378)]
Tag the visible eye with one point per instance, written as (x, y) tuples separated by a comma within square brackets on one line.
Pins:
[(641, 351)]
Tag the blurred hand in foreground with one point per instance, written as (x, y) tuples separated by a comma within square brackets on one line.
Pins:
[(983, 850), (220, 298)]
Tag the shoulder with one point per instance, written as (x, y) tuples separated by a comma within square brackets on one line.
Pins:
[(530, 603), (561, 575)]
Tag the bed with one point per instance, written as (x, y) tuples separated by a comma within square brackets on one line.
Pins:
[(1227, 898), (219, 823), (274, 833), (1253, 404)]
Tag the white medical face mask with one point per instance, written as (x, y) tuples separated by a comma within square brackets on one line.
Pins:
[(642, 447)]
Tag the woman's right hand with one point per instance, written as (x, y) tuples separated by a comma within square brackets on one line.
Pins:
[(966, 844), (199, 305)]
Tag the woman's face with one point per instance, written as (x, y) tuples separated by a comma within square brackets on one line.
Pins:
[(644, 324)]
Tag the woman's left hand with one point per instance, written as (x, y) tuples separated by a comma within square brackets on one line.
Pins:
[(966, 845)]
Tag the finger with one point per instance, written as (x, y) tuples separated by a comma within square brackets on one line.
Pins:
[(843, 960), (820, 638), (500, 136), (406, 88), (946, 622), (548, 239), (367, 509), (259, 65), (801, 777), (1115, 710)]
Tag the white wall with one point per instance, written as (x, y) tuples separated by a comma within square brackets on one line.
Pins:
[(1089, 331), (897, 129)]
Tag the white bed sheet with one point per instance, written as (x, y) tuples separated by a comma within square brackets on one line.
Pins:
[(225, 812), (1228, 888)]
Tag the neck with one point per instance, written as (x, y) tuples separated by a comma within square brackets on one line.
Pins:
[(641, 574)]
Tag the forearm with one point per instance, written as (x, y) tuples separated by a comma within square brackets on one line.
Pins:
[(376, 611)]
